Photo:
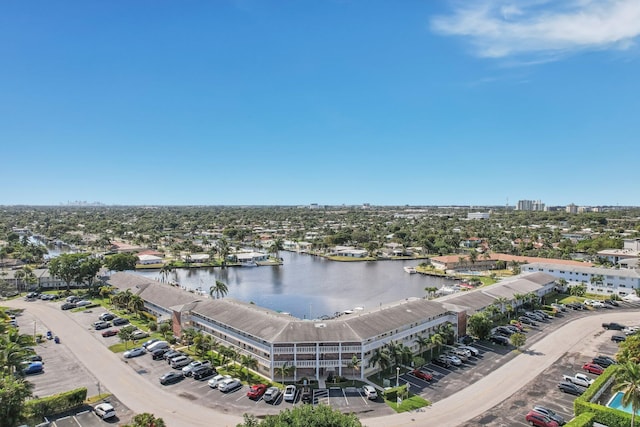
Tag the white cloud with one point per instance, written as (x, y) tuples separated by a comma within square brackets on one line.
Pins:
[(507, 28)]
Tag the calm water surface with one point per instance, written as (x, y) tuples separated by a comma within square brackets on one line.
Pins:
[(309, 287)]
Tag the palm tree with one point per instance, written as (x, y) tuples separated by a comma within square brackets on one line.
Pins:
[(204, 343), (355, 365), (423, 343), (381, 358), (501, 302), (628, 382), (284, 370), (188, 336), (431, 290), (135, 304), (437, 340), (248, 362), (223, 250), (276, 247), (219, 290), (164, 328)]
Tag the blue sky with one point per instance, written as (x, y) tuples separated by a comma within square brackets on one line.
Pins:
[(330, 102)]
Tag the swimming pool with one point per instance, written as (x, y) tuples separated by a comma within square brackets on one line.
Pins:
[(616, 403)]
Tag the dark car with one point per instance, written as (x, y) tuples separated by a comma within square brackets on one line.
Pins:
[(611, 302), (441, 361), (613, 326), (68, 306), (499, 339), (118, 321), (107, 316), (171, 354), (618, 338), (604, 361), (527, 321), (571, 388), (202, 372), (159, 353), (32, 367), (465, 339), (170, 377), (306, 396)]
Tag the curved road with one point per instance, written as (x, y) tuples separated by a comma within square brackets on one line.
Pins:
[(140, 395)]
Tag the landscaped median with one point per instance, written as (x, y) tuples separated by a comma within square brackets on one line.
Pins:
[(400, 399)]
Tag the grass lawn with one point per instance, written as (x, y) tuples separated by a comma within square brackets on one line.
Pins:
[(408, 404)]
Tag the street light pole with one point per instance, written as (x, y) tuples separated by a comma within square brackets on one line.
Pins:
[(397, 376)]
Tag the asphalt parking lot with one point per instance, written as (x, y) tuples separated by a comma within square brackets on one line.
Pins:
[(445, 383)]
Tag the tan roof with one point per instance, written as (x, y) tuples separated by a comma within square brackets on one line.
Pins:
[(510, 258)]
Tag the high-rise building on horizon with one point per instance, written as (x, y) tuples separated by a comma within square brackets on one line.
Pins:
[(530, 205)]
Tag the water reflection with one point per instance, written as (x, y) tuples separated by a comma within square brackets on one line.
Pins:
[(308, 286)]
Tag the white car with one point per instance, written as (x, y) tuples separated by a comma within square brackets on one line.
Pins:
[(83, 303), (215, 381), (370, 392), (289, 393), (454, 360), (229, 384), (139, 334), (474, 351), (105, 411), (134, 352)]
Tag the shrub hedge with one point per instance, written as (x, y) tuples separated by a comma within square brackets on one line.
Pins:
[(41, 407), (583, 420), (601, 414)]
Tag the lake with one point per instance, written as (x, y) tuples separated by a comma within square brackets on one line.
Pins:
[(309, 286)]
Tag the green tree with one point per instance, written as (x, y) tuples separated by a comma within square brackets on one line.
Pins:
[(284, 370), (578, 290), (518, 339), (437, 340), (423, 343), (305, 415), (276, 247), (247, 362), (165, 329), (479, 325), (188, 336), (121, 262), (13, 393), (67, 267), (126, 334), (381, 358), (219, 290), (135, 304), (146, 420), (628, 381), (355, 364)]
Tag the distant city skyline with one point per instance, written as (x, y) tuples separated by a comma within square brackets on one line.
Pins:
[(442, 103)]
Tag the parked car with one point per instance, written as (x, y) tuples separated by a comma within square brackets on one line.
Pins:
[(571, 388), (215, 381), (306, 396), (271, 395), (30, 368), (539, 420), (422, 374), (462, 353), (441, 361), (618, 338), (158, 353), (147, 343), (578, 379), (256, 391), (549, 413), (139, 334), (612, 303), (465, 339), (559, 307), (454, 360), (157, 345), (544, 314), (171, 354), (101, 325), (134, 352), (187, 370), (290, 393), (179, 362), (119, 321), (202, 372), (170, 377), (229, 384), (614, 326), (474, 351), (604, 361), (110, 332), (370, 392), (630, 330), (71, 298), (83, 303), (107, 316), (499, 339), (68, 306), (527, 321), (593, 368), (104, 411)]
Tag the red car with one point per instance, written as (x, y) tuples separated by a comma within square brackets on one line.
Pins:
[(536, 419), (422, 375), (110, 332), (592, 368), (256, 391)]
